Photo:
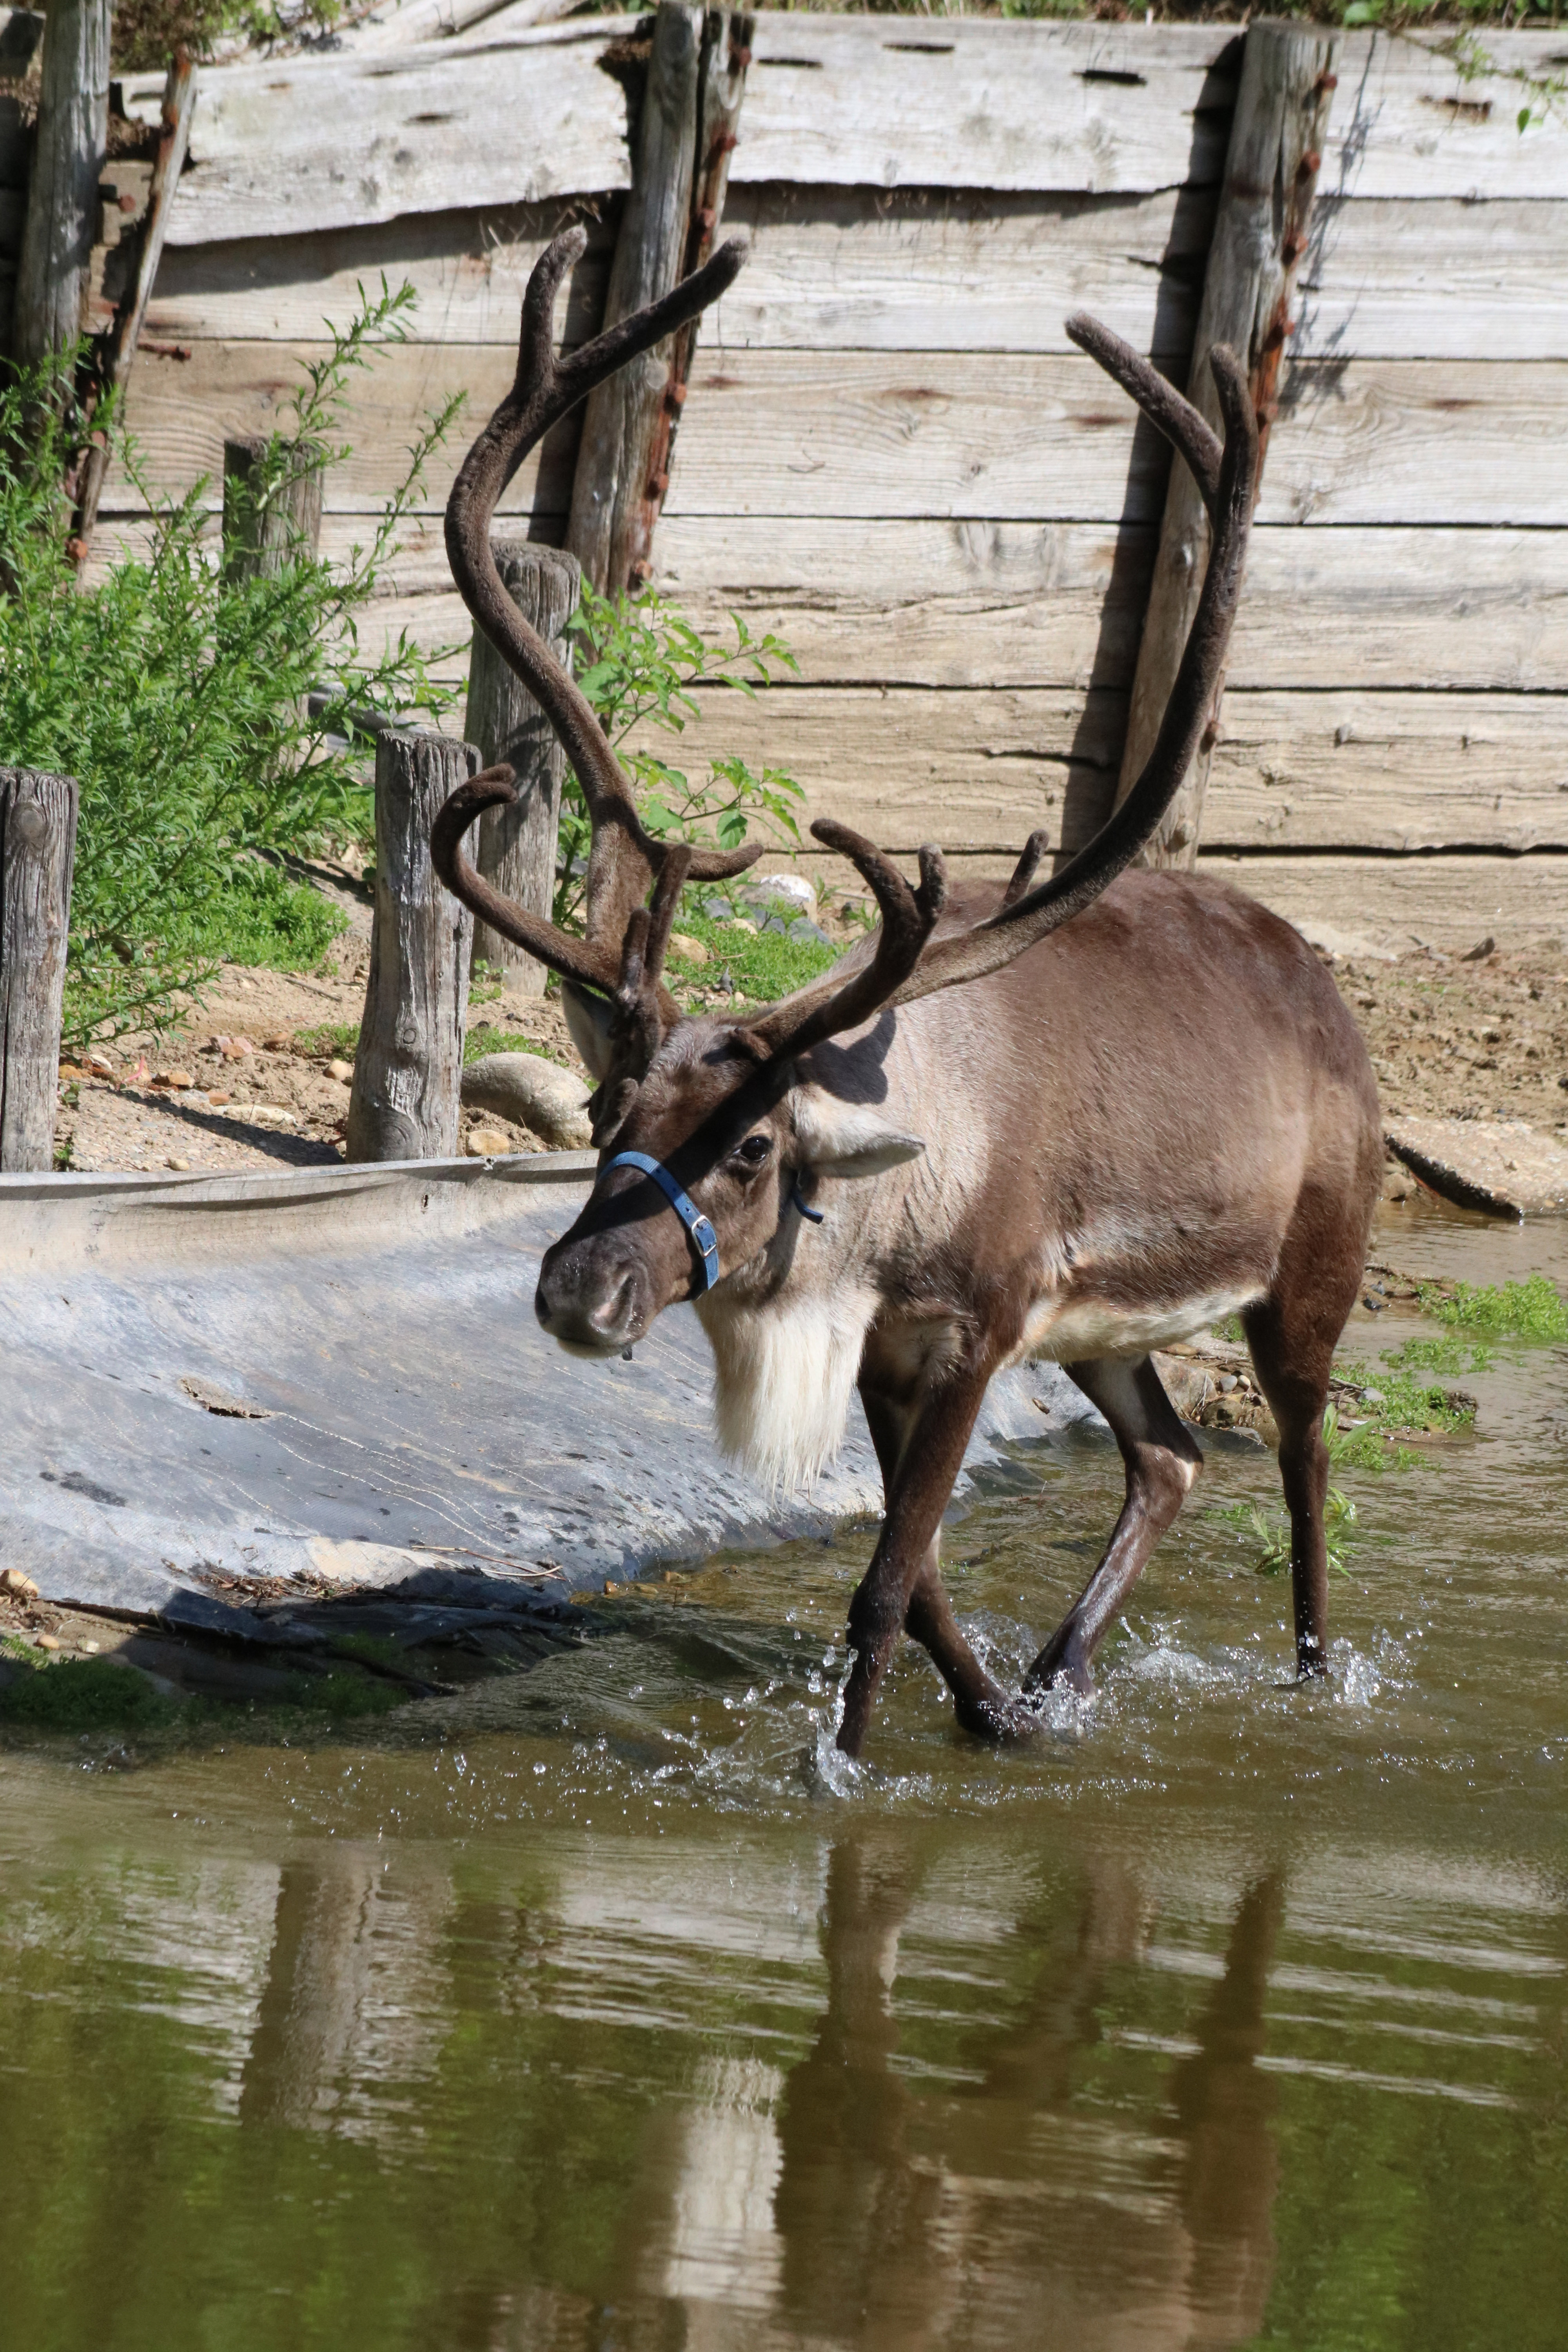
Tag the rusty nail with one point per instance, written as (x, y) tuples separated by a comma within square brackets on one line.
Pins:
[(657, 485), (1324, 83), (128, 203), (724, 143), (674, 395), (640, 570), (738, 61), (705, 220), (1308, 164), (1276, 335), (1294, 245)]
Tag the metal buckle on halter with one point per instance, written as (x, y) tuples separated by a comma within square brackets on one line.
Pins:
[(698, 1226)]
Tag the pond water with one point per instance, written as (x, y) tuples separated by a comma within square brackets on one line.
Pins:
[(607, 2007)]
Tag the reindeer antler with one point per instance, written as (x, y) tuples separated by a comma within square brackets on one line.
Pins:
[(625, 857), (909, 964)]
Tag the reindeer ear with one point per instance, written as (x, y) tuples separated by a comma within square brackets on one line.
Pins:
[(848, 1139), (588, 1017)]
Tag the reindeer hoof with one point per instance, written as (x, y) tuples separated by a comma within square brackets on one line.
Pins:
[(1001, 1721), (1059, 1668)]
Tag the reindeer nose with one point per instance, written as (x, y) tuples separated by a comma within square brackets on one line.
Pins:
[(585, 1301)]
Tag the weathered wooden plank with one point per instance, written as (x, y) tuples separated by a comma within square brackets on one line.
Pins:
[(405, 21), (1390, 771), (968, 605), (1412, 441), (179, 410), (1260, 231), (1407, 123), (419, 129), (1415, 770), (1444, 279), (1400, 903), (467, 268), (927, 270), (981, 102), (830, 269)]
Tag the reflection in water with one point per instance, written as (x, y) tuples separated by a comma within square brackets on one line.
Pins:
[(350, 2021), (888, 2224)]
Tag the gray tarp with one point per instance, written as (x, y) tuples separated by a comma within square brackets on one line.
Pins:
[(410, 1417)]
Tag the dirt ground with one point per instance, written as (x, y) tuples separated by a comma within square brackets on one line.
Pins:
[(244, 1083)]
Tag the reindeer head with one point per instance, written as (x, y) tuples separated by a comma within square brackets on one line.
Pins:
[(714, 1133)]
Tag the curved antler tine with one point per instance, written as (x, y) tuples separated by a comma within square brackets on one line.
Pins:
[(845, 999), (672, 880), (573, 959), (1162, 404), (1024, 871), (624, 856)]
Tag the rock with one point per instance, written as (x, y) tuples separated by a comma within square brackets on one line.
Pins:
[(101, 1066), (269, 1115), (1500, 1166), (533, 1093), (685, 950), (342, 1071), (48, 1641), (181, 1165), (218, 1099), (1372, 1396), (1479, 952), (488, 1143), (182, 1079), (766, 890), (279, 1044), (20, 1586)]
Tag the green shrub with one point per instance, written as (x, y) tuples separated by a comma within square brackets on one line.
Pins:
[(176, 693)]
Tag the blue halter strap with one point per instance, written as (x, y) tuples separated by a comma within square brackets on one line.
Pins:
[(704, 1238)]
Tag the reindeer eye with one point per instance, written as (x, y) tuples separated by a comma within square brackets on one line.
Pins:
[(750, 1154)]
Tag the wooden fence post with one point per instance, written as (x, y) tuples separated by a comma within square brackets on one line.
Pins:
[(695, 75), (117, 347), (69, 150), (407, 1071), (1260, 233), (261, 535), (38, 850), (517, 845)]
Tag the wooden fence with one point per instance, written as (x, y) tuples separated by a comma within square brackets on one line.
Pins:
[(891, 454)]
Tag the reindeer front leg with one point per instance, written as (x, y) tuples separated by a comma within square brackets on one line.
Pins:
[(919, 1452)]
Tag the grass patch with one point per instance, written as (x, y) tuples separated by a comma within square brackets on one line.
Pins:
[(1532, 1309), (761, 965), (84, 1695), (333, 1041), (260, 917), (479, 1041)]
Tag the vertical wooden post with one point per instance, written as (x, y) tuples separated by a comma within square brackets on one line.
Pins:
[(695, 75), (261, 532), (1260, 233), (517, 845), (37, 851), (405, 1097), (118, 348), (69, 150)]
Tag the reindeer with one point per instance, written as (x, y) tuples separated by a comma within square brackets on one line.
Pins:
[(1077, 1118)]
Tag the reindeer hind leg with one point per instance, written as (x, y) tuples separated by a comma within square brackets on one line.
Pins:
[(1162, 1460)]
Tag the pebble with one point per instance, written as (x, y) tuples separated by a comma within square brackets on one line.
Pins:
[(270, 1115), (181, 1164), (180, 1078), (488, 1143), (1372, 1396), (48, 1641), (344, 1071), (685, 950)]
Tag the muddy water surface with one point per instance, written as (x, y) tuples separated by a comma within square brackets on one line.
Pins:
[(607, 2008)]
